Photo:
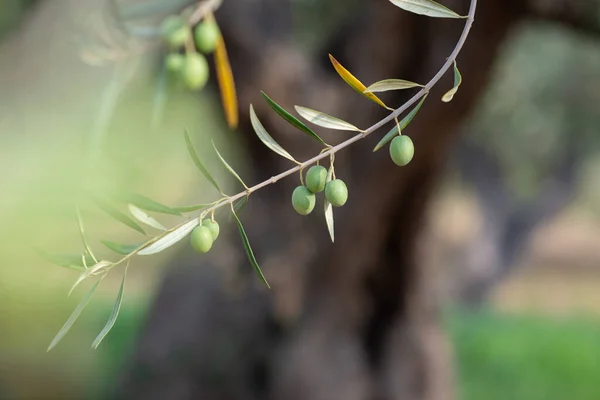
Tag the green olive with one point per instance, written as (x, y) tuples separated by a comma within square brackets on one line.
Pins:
[(201, 239), (195, 71), (174, 62), (207, 35), (174, 31), (402, 150), (336, 192), (303, 200), (213, 227), (316, 178)]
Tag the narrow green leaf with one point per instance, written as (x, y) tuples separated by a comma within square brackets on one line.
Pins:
[(403, 124), (428, 8), (264, 136), (231, 170), (249, 251), (295, 122), (170, 239), (457, 81), (89, 272), (113, 315), (118, 248), (325, 120), (391, 84), (71, 261), (76, 313), (187, 209), (148, 204), (160, 99), (116, 214), (198, 163), (86, 246), (329, 210), (145, 218)]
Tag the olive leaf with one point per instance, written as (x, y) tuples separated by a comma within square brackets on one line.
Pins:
[(123, 249), (391, 84), (248, 249), (86, 246), (324, 120), (198, 163), (264, 136), (295, 122), (148, 204), (74, 315), (426, 7), (329, 210), (226, 82), (403, 124), (457, 82), (116, 214), (71, 261), (89, 272), (354, 83), (145, 218), (170, 239), (160, 99), (150, 8), (231, 170), (114, 314)]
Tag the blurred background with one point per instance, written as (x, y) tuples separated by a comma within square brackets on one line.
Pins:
[(508, 241)]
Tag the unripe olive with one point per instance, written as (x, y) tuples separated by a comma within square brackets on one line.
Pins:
[(316, 178), (303, 200), (201, 239), (174, 62), (206, 35), (336, 192), (195, 71), (213, 227), (174, 31), (402, 150)]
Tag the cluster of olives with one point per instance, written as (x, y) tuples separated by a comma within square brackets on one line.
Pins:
[(304, 199), (402, 150), (204, 235), (191, 67)]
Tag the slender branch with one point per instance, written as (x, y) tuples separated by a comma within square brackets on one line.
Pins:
[(331, 150)]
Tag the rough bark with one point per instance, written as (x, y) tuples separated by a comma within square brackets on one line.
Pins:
[(353, 320)]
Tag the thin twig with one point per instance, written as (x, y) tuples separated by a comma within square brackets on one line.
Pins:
[(332, 150)]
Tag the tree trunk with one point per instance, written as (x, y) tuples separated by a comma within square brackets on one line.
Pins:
[(353, 320)]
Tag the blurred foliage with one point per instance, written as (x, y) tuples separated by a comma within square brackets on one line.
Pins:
[(11, 13), (525, 357), (543, 102)]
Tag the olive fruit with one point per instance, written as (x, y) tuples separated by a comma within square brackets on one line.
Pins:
[(201, 239), (206, 36), (303, 200), (402, 150), (213, 227), (174, 31), (195, 71), (316, 178), (336, 192), (174, 62)]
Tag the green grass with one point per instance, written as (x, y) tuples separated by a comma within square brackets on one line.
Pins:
[(501, 357)]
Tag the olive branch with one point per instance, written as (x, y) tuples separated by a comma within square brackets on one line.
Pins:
[(203, 227)]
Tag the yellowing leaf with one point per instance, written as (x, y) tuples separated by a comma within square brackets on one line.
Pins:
[(457, 81), (353, 82), (226, 84)]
